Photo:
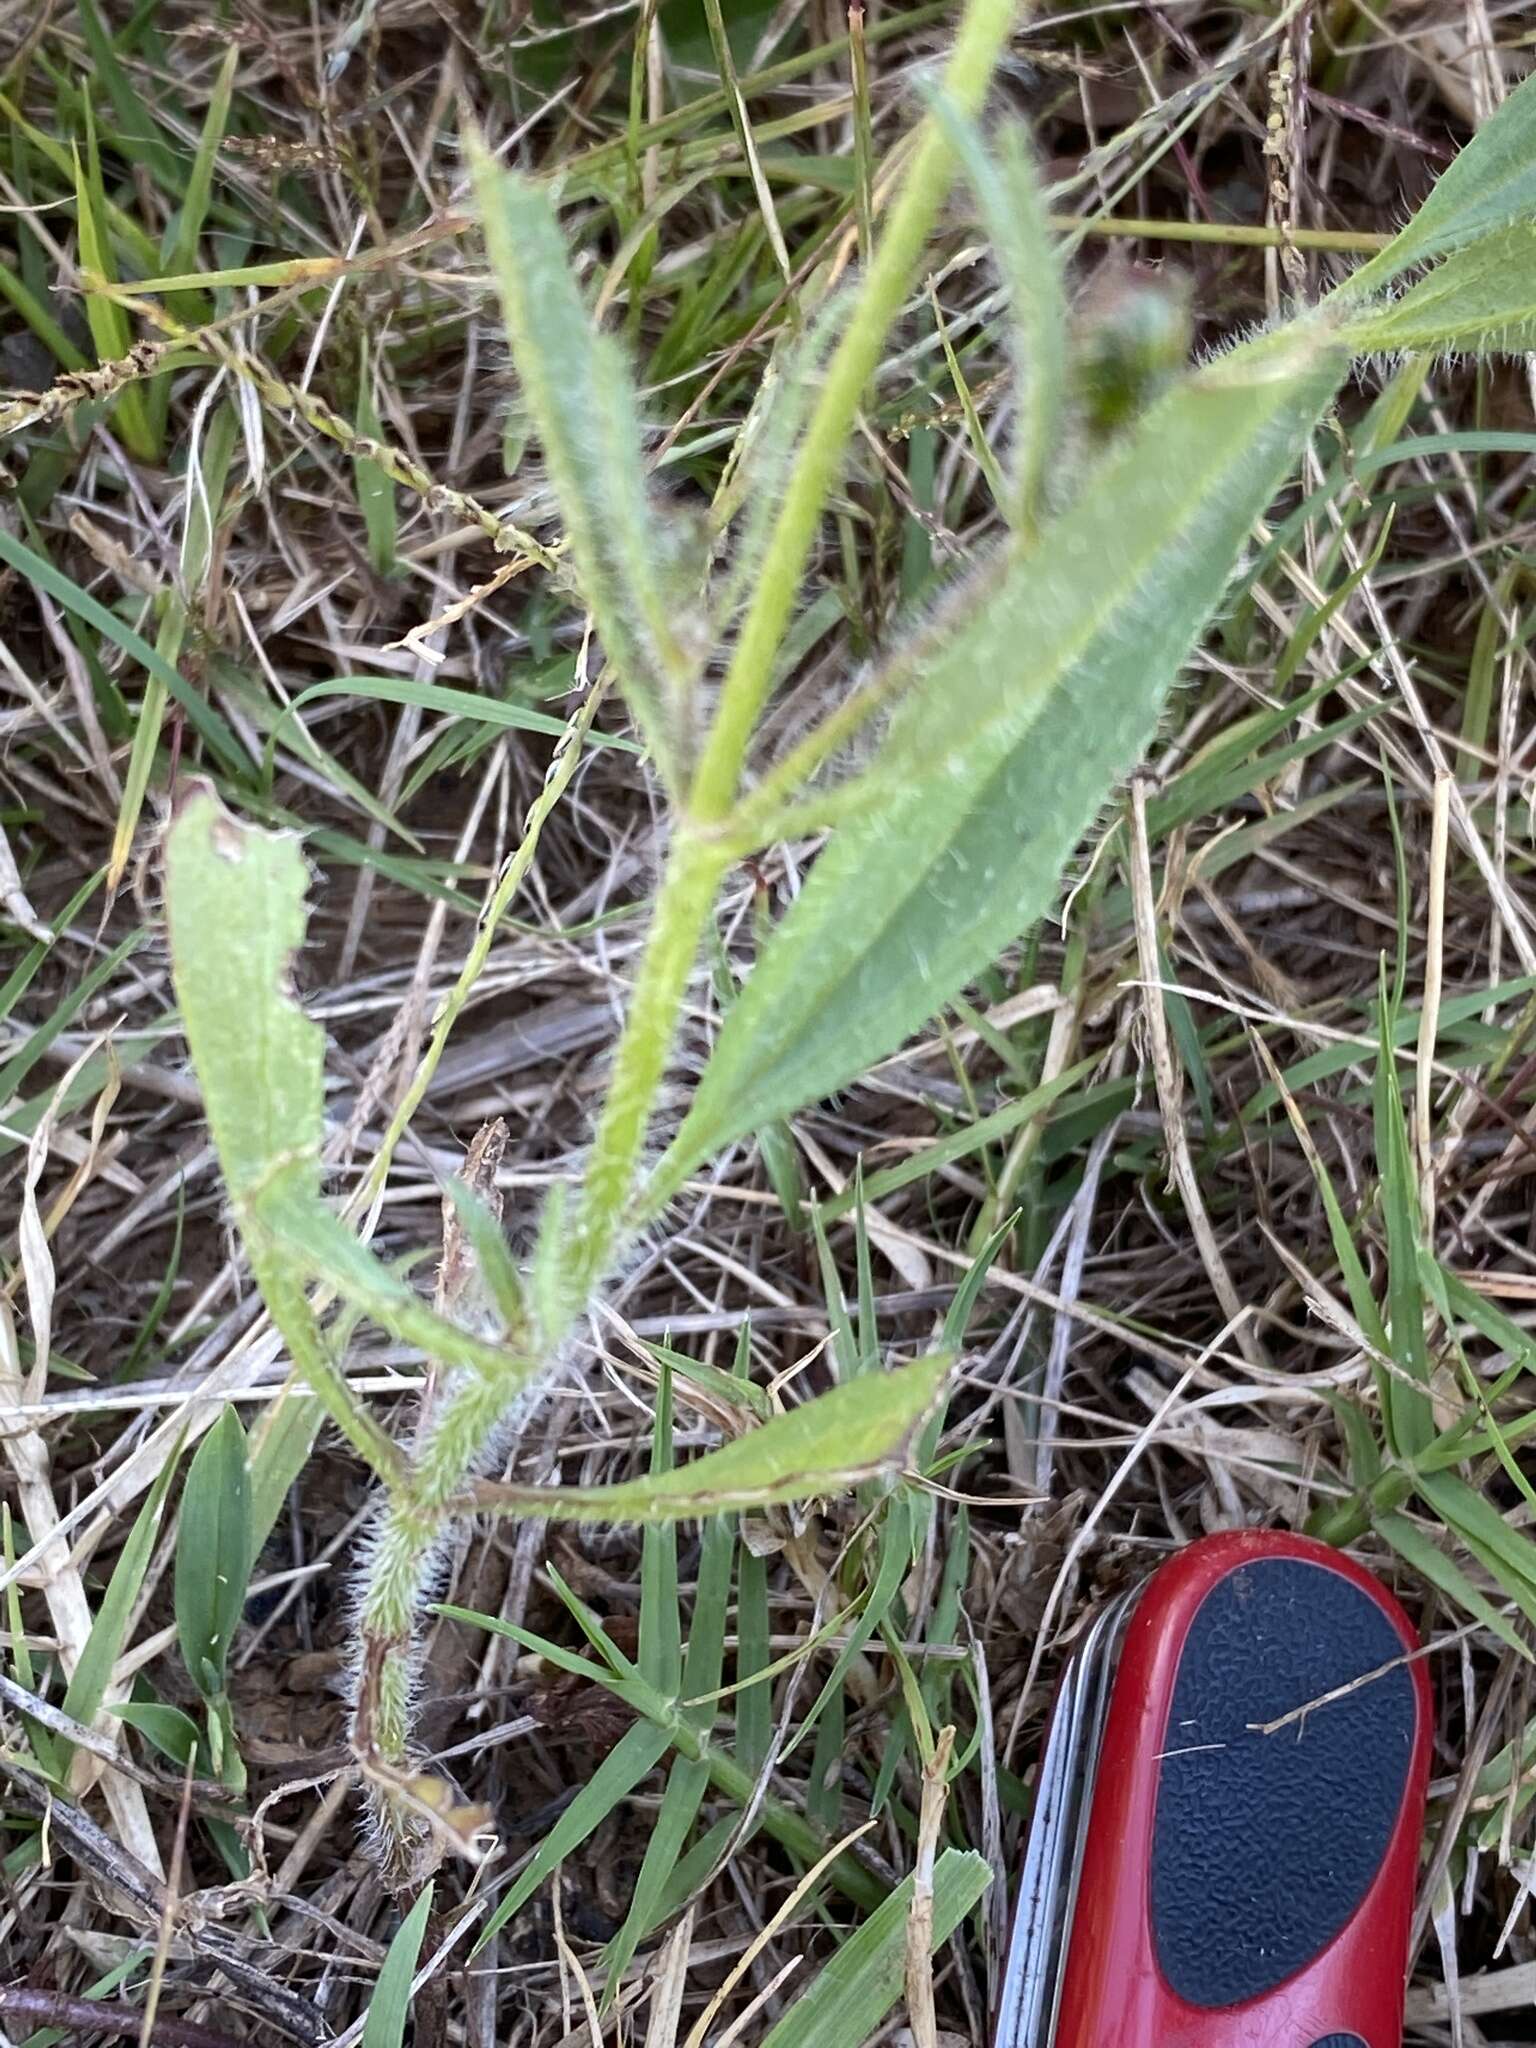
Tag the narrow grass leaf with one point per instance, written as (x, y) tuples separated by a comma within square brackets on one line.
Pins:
[(1419, 1551), (140, 139), (375, 492), (894, 1562), (633, 1758), (661, 1628), (179, 251), (201, 716), (1410, 1417), (109, 1628), (687, 1782), (281, 1445), (853, 1994), (1508, 1552), (491, 711), (754, 1703), (1037, 690), (390, 2006), (107, 321), (959, 1144), (739, 1395), (837, 1440), (689, 1777), (213, 1553)]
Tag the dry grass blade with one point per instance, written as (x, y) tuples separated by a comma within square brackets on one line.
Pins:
[(1170, 1088), (921, 2014)]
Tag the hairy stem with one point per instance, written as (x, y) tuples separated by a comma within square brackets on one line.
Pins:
[(983, 32), (682, 908), (414, 1515)]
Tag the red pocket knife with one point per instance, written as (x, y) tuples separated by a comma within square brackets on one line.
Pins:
[(1228, 1812)]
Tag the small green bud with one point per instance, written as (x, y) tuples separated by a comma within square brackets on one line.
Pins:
[(1133, 337)]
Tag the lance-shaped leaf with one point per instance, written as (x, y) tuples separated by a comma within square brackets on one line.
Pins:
[(1039, 689), (835, 1441), (213, 1553), (1491, 184), (629, 558), (1012, 208)]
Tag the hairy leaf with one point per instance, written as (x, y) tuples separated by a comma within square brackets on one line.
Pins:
[(627, 554), (1037, 689), (1491, 184), (838, 1440), (1481, 298)]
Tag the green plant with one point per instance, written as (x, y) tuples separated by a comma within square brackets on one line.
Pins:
[(958, 780)]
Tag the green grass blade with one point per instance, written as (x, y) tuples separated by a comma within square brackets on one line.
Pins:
[(687, 1782), (895, 1561), (180, 247), (754, 1703), (140, 139), (375, 492), (390, 2006), (281, 1444), (490, 711), (213, 1553), (107, 321), (200, 714), (93, 1672), (1415, 1548), (634, 1757), (853, 1994), (1410, 1417), (661, 1628)]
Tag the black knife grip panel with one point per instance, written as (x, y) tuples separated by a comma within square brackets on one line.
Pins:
[(1264, 1845), (1339, 2041)]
